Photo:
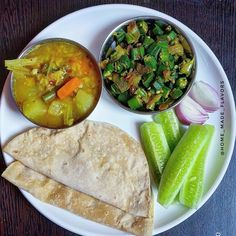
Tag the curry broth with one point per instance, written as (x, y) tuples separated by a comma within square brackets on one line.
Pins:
[(56, 63)]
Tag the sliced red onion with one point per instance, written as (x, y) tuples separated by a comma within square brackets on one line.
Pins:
[(188, 112), (205, 95)]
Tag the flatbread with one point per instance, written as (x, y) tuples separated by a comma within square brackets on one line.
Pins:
[(96, 158), (54, 193)]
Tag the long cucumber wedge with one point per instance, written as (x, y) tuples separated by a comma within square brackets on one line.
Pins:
[(192, 189), (181, 161), (155, 147), (170, 125)]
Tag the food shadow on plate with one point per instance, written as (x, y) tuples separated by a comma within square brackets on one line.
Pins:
[(8, 95)]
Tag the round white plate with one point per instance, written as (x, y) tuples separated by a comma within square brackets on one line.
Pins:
[(90, 27)]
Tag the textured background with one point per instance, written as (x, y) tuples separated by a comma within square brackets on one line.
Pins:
[(213, 21)]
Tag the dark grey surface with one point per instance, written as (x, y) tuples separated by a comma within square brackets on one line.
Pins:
[(213, 21)]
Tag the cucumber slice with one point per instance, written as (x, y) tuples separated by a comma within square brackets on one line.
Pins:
[(170, 125), (180, 162), (192, 188), (155, 147)]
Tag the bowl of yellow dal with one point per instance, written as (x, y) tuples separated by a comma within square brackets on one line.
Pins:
[(56, 83)]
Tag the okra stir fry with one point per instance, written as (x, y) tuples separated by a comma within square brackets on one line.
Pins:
[(148, 65)]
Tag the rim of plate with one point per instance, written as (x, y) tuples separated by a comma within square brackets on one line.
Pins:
[(228, 88)]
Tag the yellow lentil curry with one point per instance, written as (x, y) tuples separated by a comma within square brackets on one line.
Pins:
[(56, 84)]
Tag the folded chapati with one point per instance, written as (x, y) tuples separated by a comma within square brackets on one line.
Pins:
[(95, 158), (52, 192)]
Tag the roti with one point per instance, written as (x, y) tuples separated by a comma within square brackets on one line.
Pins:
[(54, 193), (95, 158)]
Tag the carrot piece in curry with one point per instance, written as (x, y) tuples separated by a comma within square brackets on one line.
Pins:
[(68, 88)]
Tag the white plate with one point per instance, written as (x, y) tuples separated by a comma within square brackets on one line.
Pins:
[(90, 27)]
